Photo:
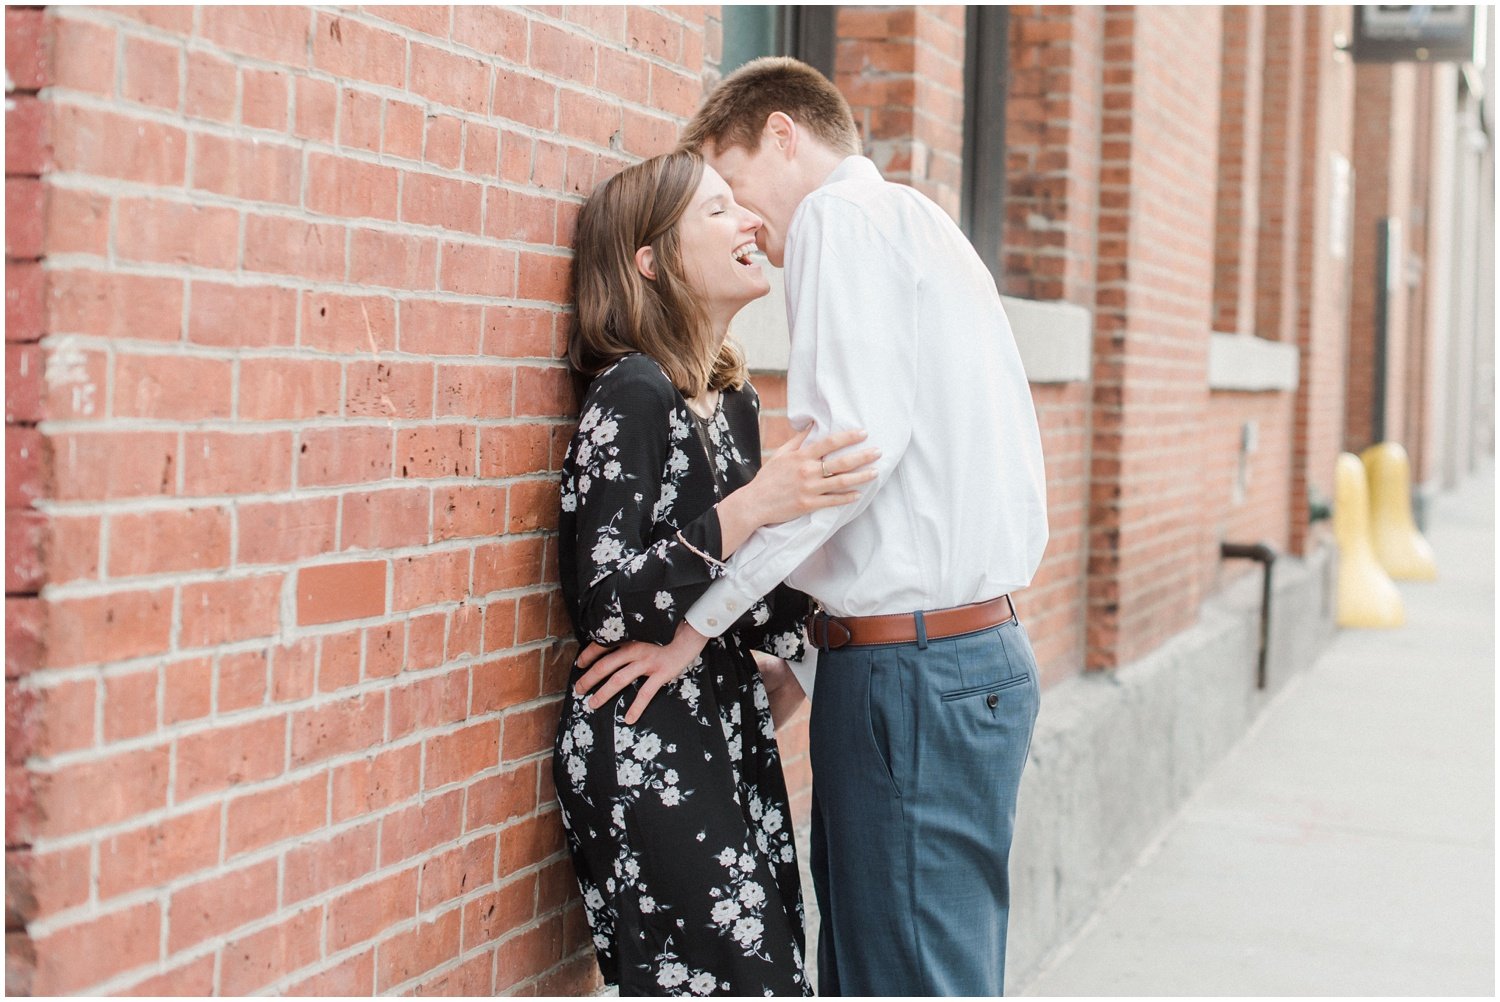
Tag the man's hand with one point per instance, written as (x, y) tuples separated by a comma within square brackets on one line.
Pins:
[(636, 659)]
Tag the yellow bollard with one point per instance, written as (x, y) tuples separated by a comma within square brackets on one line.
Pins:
[(1399, 547), (1367, 597)]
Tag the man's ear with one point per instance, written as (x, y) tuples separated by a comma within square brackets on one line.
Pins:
[(782, 132), (645, 262)]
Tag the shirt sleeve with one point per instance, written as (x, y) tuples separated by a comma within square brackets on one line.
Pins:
[(851, 302), (631, 587)]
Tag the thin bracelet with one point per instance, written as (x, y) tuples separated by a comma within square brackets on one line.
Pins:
[(711, 560)]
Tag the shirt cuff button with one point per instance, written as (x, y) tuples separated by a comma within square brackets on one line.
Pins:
[(713, 622)]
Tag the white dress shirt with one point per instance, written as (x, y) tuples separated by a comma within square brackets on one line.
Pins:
[(896, 327)]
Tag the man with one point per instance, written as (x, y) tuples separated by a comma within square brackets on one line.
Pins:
[(926, 690)]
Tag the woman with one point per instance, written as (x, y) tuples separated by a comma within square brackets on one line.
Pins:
[(677, 816)]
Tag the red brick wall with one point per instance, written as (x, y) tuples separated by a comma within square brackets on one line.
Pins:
[(1156, 233), (1239, 169), (289, 728)]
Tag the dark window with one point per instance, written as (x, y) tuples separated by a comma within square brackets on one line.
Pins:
[(755, 30), (982, 192)]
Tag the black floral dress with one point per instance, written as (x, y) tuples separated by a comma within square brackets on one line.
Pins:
[(678, 825)]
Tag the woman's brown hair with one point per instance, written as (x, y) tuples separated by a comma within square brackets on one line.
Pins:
[(618, 310)]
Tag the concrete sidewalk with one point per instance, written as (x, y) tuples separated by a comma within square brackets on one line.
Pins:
[(1347, 845)]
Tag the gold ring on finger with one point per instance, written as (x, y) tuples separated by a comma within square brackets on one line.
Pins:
[(824, 464)]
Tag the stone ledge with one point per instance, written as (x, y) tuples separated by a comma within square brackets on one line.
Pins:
[(1244, 364)]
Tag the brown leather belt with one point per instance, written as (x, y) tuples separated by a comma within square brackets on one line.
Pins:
[(832, 632)]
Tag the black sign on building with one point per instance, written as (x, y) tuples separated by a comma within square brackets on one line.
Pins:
[(1423, 33)]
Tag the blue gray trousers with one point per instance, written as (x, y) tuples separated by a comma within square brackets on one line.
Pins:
[(916, 756)]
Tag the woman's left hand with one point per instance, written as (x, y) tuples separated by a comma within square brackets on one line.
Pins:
[(618, 667), (782, 687)]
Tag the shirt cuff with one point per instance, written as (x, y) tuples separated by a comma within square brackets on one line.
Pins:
[(719, 607)]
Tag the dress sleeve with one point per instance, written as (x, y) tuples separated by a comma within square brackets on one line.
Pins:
[(618, 485), (777, 623)]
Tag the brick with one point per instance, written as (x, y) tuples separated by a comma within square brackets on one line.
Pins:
[(196, 977), (508, 564), (214, 906), (352, 977), (28, 61), (412, 831), (384, 654), (401, 390), (281, 532), (529, 732), (77, 222), (175, 388), (455, 757), (459, 512), (103, 791), (534, 504), (544, 392), (187, 690), (281, 388), (481, 148), (430, 578), (455, 205), (66, 715), (456, 873), (514, 450), (254, 170), (221, 612), (23, 301), (107, 144), (54, 881), (523, 98), (674, 93), (25, 534), (477, 270), (493, 31), (441, 328), (544, 277), (222, 462), (316, 102), (339, 660), (340, 186), (458, 81), (560, 53), (314, 867), (386, 518), (250, 963), (163, 232), (242, 681), (347, 48), (415, 951), (83, 55), (374, 783), (626, 74), (25, 217), (263, 99), (514, 215), (650, 32), (529, 953), (530, 841), (210, 90), (162, 541), (242, 316), (346, 324), (431, 701), (405, 126), (28, 134), (500, 625), (338, 728), (367, 911), (506, 681), (496, 800), (465, 625), (494, 913), (435, 451), (333, 593), (279, 814), (277, 34), (294, 247), (112, 627), (152, 73), (395, 260), (418, 17), (160, 852), (130, 705), (229, 755), (519, 332), (472, 978), (444, 144), (82, 954), (136, 307)]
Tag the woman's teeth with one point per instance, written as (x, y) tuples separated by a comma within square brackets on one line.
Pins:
[(742, 253)]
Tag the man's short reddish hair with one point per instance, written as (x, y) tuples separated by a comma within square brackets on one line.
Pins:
[(735, 112)]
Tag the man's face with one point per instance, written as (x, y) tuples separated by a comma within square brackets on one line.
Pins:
[(762, 182)]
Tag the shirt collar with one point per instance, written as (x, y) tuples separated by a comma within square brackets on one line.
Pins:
[(853, 167)]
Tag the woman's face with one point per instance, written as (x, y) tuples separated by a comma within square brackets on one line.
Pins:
[(717, 238)]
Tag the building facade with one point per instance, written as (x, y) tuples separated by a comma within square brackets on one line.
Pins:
[(285, 404)]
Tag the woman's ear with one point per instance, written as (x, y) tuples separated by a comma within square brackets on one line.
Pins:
[(645, 262)]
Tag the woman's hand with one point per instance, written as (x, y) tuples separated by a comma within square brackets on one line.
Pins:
[(781, 686), (800, 477), (616, 668)]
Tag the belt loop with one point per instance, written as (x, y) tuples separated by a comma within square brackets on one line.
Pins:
[(921, 631)]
